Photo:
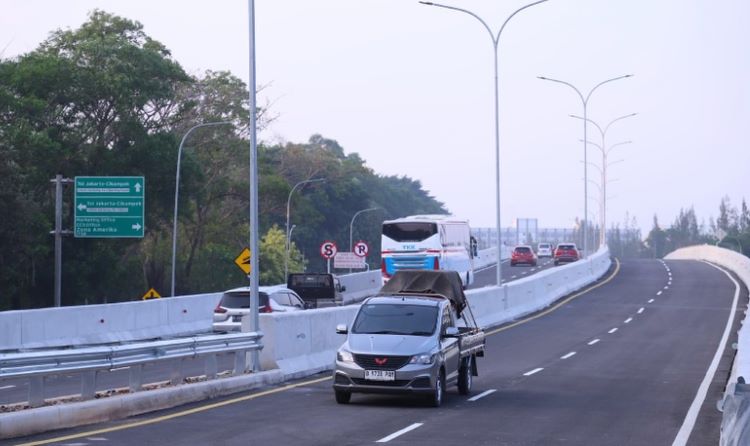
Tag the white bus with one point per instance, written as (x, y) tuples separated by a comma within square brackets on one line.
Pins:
[(428, 242)]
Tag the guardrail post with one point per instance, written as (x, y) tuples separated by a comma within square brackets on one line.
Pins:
[(176, 375), (36, 391), (240, 362), (88, 384), (212, 367), (136, 377)]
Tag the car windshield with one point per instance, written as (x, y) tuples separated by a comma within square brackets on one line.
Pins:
[(399, 319), (241, 299), (523, 250), (566, 247)]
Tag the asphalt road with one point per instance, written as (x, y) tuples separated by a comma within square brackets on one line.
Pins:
[(16, 390), (617, 365)]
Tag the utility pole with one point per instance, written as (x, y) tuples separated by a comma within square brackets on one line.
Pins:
[(59, 181)]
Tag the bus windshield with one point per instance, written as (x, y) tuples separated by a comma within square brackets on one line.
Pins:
[(409, 231)]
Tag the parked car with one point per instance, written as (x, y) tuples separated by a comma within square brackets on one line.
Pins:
[(566, 252), (235, 303), (523, 254), (544, 250)]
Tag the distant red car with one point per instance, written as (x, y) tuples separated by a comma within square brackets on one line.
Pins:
[(523, 254), (566, 252)]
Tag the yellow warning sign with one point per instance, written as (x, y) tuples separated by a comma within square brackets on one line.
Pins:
[(151, 294), (243, 261)]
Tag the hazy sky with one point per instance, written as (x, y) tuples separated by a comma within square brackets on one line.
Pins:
[(409, 87)]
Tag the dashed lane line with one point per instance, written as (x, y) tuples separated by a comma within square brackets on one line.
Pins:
[(594, 341), (640, 310), (532, 372), (399, 433), (659, 293), (559, 304), (569, 355), (651, 301), (482, 395), (612, 330), (628, 320)]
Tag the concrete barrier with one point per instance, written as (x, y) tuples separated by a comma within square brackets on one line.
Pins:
[(99, 324), (735, 427), (131, 321), (360, 285), (494, 306)]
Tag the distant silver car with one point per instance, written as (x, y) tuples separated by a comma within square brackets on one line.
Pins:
[(235, 303), (544, 250)]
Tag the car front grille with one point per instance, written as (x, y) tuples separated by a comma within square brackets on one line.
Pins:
[(376, 362), (367, 382)]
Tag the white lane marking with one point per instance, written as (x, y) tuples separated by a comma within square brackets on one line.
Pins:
[(666, 287), (75, 444), (659, 293), (640, 310), (568, 355), (96, 439), (523, 272), (628, 320), (399, 433), (7, 387), (612, 330), (483, 394), (514, 277), (650, 301), (119, 368), (687, 426), (594, 341), (533, 371)]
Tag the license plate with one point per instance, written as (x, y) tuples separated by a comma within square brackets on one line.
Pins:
[(237, 318), (380, 375)]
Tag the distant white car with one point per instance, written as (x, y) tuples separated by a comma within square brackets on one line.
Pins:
[(235, 303), (544, 250)]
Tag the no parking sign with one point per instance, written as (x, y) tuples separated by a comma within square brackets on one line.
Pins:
[(361, 249)]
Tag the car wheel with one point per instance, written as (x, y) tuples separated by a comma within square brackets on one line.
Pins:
[(465, 377), (439, 391), (343, 397), (556, 263)]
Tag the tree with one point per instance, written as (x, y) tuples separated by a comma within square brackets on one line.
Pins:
[(95, 100), (272, 253), (656, 240)]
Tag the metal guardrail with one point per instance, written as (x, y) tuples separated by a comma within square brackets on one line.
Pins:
[(38, 365)]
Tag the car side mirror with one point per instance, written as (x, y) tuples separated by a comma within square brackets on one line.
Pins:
[(451, 332), (341, 329), (342, 288)]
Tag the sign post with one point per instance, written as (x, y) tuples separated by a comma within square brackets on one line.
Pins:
[(109, 207), (328, 251)]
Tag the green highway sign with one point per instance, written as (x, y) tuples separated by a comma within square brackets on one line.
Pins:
[(109, 207)]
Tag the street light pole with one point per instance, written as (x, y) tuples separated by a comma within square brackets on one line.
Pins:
[(351, 229), (286, 232), (177, 192), (605, 153), (585, 101), (495, 44)]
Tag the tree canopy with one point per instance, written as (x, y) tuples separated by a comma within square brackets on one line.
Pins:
[(108, 100)]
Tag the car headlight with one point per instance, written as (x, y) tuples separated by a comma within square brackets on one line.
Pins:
[(344, 356), (424, 358)]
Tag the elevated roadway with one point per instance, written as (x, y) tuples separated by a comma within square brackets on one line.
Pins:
[(619, 364)]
